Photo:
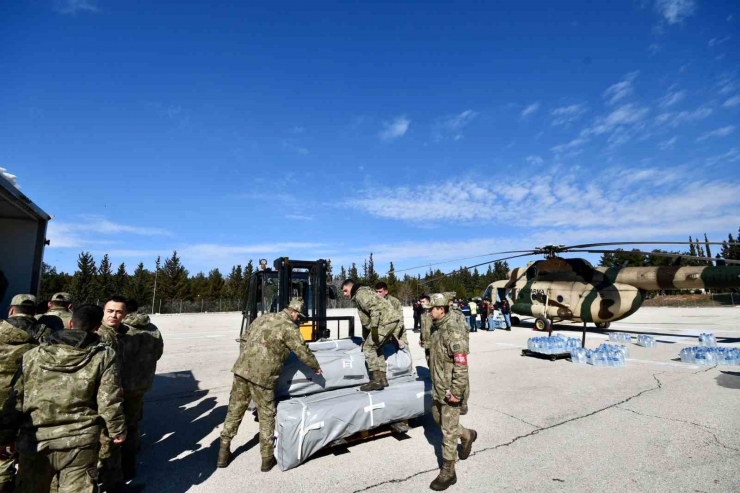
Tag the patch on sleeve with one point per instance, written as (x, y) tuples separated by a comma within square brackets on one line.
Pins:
[(461, 359), (456, 348)]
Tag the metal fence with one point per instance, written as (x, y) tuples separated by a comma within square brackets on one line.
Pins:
[(695, 300), (198, 305)]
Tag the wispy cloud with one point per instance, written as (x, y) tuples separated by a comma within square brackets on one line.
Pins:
[(729, 157), (293, 146), (719, 41), (535, 160), (452, 126), (720, 132), (299, 217), (394, 129), (92, 230), (569, 146), (628, 114), (621, 89), (668, 144), (530, 109), (566, 115), (726, 83), (676, 119), (74, 6), (675, 11), (672, 98), (732, 102)]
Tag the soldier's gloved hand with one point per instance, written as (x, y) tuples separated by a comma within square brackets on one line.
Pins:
[(119, 439), (7, 451)]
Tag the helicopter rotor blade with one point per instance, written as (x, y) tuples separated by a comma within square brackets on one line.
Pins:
[(590, 245), (471, 267), (659, 254), (533, 252)]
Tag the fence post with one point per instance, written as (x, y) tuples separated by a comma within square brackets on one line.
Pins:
[(160, 305), (201, 305)]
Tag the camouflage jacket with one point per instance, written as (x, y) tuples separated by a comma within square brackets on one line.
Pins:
[(266, 345), (396, 304), (143, 346), (376, 313), (55, 318), (114, 339), (448, 359), (67, 392), (31, 326), (14, 343), (427, 329)]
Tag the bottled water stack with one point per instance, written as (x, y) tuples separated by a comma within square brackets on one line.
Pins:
[(579, 355), (710, 356), (707, 340), (619, 337), (646, 341), (552, 345), (606, 355)]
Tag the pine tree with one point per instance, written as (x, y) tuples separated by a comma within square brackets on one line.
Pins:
[(52, 282), (363, 280), (235, 282), (709, 250), (353, 272), (215, 284), (329, 274), (120, 280), (372, 276), (342, 274), (692, 247), (105, 284), (199, 286), (173, 279), (83, 284), (248, 271), (139, 286), (392, 281)]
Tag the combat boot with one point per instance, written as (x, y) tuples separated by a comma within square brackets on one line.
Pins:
[(268, 463), (467, 439), (224, 454), (384, 380), (373, 384), (446, 476)]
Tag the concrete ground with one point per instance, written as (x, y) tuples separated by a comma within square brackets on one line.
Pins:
[(655, 425)]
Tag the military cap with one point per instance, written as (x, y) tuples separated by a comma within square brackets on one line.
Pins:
[(450, 295), (23, 299), (297, 305), (438, 299), (63, 297)]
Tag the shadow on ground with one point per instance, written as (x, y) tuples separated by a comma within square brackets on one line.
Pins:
[(177, 417), (729, 379)]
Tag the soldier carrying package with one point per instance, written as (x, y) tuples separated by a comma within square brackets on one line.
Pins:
[(400, 336), (380, 322), (264, 348), (449, 371), (66, 392)]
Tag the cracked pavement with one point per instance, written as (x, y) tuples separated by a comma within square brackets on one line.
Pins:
[(655, 425)]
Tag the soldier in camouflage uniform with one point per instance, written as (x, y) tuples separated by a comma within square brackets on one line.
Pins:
[(58, 315), (461, 323), (143, 346), (425, 337), (449, 370), (17, 336), (112, 333), (67, 392), (264, 348), (382, 289), (379, 322)]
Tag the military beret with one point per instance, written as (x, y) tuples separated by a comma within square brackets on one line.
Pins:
[(23, 299), (63, 297)]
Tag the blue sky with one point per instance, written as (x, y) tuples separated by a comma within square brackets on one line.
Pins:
[(417, 131)]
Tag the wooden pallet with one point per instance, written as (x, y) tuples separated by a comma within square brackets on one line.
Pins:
[(400, 427), (551, 357)]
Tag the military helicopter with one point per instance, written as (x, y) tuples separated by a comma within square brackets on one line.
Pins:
[(560, 289)]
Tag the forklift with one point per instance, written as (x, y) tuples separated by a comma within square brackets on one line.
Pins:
[(270, 291)]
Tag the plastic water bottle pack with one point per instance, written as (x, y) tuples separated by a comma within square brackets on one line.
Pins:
[(707, 340), (619, 337), (710, 356), (607, 355), (646, 341), (552, 345)]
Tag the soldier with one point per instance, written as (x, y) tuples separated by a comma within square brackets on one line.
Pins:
[(112, 332), (379, 322), (265, 346), (78, 375), (425, 338), (58, 315), (382, 289), (449, 370), (461, 323), (16, 338), (143, 346)]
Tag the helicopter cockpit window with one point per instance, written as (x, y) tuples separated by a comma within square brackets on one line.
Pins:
[(487, 293), (531, 273)]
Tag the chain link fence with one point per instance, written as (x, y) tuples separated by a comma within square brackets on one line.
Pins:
[(198, 305)]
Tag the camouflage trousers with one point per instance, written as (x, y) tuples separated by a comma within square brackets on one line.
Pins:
[(373, 349), (109, 462), (448, 418), (74, 469), (133, 410), (7, 470), (242, 391)]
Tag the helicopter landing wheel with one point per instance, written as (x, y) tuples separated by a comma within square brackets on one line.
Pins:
[(603, 325), (515, 321), (542, 324)]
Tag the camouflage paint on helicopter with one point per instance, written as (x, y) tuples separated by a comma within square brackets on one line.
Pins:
[(572, 289)]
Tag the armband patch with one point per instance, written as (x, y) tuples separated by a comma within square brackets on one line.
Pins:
[(461, 359)]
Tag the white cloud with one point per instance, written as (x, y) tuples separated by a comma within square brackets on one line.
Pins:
[(297, 130), (672, 98), (726, 84), (732, 102), (395, 129), (718, 41), (720, 132), (94, 230), (299, 217), (452, 126), (675, 11), (729, 157), (565, 115), (668, 144), (621, 89), (75, 6), (573, 144), (531, 109), (535, 160), (676, 119), (626, 115), (293, 146)]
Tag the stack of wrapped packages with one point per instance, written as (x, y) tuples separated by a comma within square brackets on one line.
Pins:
[(315, 410)]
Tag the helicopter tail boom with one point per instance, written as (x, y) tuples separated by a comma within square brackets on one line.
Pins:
[(675, 277)]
